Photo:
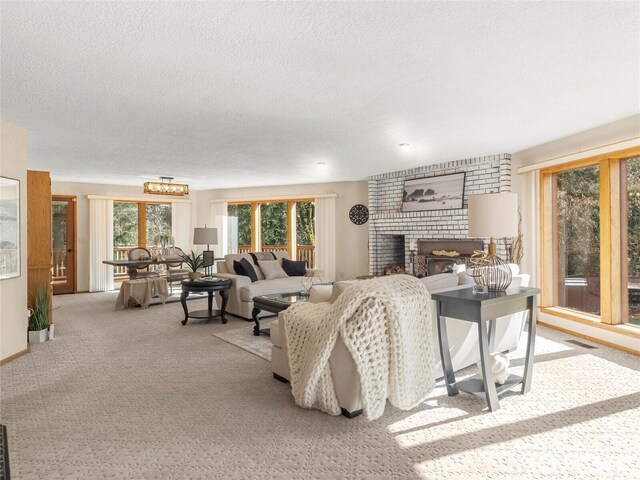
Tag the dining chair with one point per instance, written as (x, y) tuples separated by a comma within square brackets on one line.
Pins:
[(139, 253), (175, 272)]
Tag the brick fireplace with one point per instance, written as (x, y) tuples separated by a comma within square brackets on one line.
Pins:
[(393, 233)]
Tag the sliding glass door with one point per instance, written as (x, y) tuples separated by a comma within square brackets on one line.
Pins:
[(577, 204), (590, 258)]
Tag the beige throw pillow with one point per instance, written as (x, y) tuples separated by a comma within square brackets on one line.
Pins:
[(272, 269), (340, 287), (320, 293)]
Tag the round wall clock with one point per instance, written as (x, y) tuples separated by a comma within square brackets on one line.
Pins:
[(359, 214)]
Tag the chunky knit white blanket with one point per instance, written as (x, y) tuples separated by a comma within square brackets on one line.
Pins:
[(386, 324)]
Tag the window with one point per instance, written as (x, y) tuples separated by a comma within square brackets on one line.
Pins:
[(306, 231), (239, 227), (590, 258), (630, 197), (125, 225), (286, 226), (139, 224), (577, 204), (158, 223), (273, 226)]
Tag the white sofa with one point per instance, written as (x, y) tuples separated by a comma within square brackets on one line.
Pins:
[(462, 336), (242, 290)]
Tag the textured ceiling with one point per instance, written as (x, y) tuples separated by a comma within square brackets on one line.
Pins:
[(244, 94)]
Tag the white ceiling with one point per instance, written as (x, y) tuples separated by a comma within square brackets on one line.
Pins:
[(247, 94)]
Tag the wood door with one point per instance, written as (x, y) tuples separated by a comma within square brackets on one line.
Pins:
[(38, 233), (63, 244)]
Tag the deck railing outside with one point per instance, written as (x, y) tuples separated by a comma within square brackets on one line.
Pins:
[(304, 252), (58, 264), (120, 253)]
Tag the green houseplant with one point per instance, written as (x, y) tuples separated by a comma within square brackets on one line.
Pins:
[(39, 319), (194, 262)]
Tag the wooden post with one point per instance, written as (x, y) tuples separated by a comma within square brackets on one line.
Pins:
[(292, 241)]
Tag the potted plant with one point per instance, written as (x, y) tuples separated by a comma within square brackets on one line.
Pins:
[(194, 262), (39, 319)]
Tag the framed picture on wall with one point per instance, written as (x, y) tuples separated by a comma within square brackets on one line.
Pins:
[(443, 192), (9, 228)]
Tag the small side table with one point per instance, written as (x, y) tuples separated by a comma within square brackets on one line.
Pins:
[(210, 286), (483, 309)]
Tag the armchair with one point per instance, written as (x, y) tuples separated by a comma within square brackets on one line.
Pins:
[(463, 339)]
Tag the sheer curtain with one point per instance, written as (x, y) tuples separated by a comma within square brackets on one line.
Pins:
[(219, 216), (100, 244), (181, 230), (326, 236)]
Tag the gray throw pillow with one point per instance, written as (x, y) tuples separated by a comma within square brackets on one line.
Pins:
[(272, 269)]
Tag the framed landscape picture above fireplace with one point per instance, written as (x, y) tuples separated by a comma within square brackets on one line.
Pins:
[(443, 192)]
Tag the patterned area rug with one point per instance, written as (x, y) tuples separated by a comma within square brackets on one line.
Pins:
[(245, 339)]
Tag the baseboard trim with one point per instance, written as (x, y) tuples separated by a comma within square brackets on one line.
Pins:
[(14, 356), (590, 338)]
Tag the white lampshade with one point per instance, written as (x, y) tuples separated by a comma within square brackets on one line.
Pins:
[(493, 215), (205, 236)]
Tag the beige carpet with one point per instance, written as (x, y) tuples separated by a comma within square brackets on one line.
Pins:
[(134, 394)]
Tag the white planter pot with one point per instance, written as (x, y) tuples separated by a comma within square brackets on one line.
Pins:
[(38, 336)]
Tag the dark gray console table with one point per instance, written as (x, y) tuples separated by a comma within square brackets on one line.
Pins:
[(483, 309)]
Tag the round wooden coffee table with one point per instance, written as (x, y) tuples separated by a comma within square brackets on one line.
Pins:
[(210, 286)]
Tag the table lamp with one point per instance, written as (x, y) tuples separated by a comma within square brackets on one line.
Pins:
[(492, 215), (206, 236)]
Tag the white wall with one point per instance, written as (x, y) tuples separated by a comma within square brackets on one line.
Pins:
[(527, 187), (81, 190), (618, 131), (13, 291), (352, 254)]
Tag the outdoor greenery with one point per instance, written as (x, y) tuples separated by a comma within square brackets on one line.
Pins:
[(125, 223), (39, 319), (578, 193), (158, 222), (579, 221), (59, 224), (633, 228), (305, 216), (243, 212), (633, 216), (274, 223)]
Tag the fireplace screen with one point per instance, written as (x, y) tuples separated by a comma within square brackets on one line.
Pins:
[(440, 265)]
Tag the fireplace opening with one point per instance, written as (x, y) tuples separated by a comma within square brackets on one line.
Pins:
[(388, 255), (433, 256)]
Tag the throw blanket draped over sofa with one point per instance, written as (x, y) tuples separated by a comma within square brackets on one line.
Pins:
[(386, 324)]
